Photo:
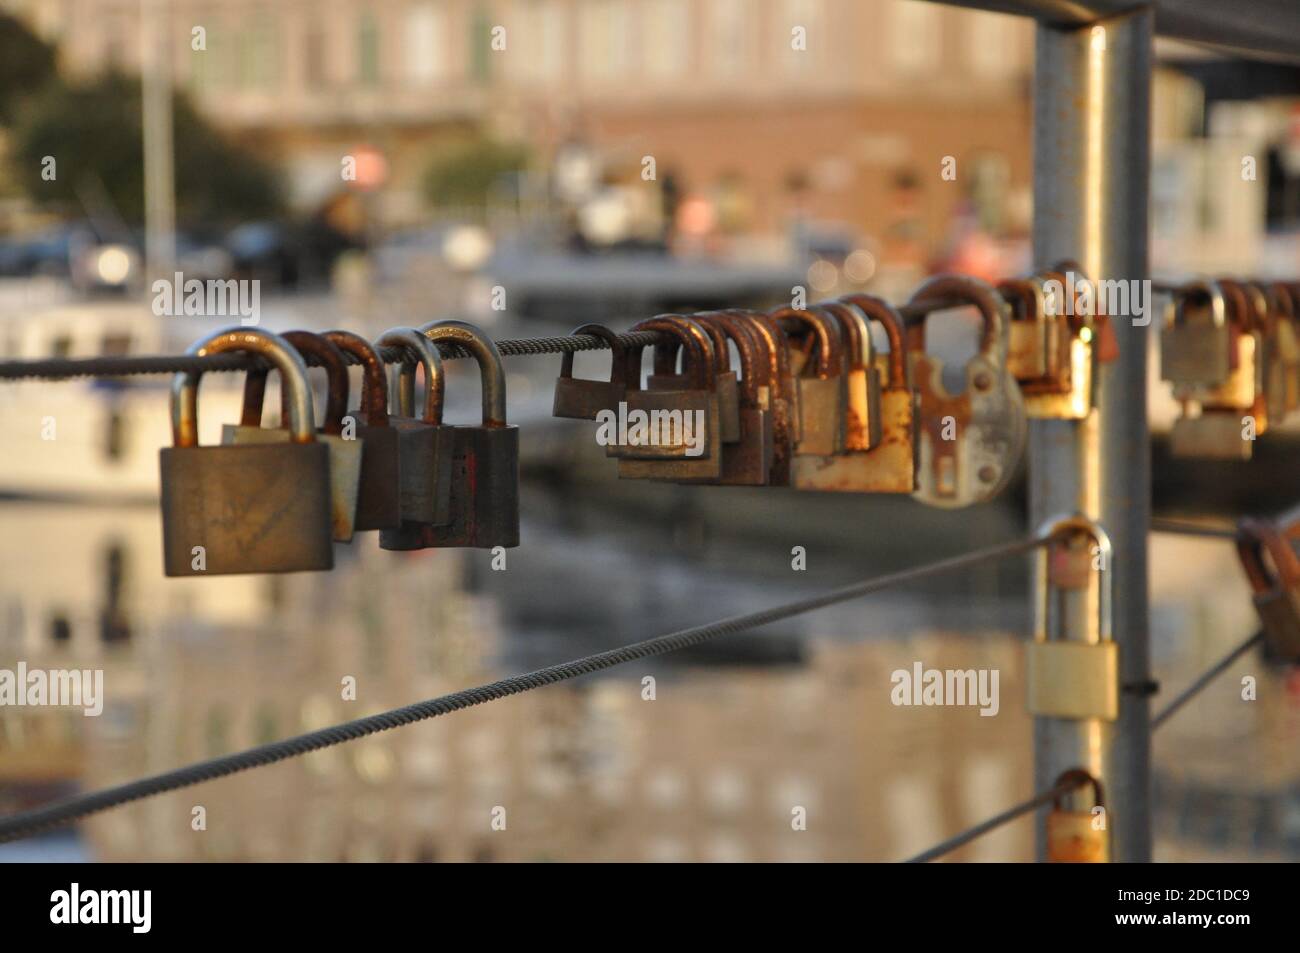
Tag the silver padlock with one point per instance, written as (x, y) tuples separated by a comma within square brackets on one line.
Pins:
[(1074, 679)]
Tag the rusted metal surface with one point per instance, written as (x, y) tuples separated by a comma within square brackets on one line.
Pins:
[(581, 399)]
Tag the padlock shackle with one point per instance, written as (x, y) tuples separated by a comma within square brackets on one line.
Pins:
[(336, 371), (976, 293), (1248, 301), (665, 354), (826, 331), (1051, 530), (855, 332), (883, 313), (435, 383), (698, 364), (1077, 778), (1205, 292), (1254, 537), (491, 369), (293, 380), (753, 366), (374, 375), (618, 365)]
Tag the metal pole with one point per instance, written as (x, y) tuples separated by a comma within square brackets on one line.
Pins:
[(159, 184), (1091, 180)]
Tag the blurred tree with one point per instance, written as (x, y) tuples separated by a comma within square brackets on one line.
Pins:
[(94, 132), (26, 64), (464, 175)]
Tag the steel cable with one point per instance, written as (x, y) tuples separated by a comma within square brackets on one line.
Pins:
[(26, 823)]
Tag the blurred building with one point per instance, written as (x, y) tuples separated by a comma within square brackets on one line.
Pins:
[(835, 110)]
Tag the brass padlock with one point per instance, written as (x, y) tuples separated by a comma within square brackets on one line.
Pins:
[(970, 442), (1033, 333), (891, 465), (1078, 837), (584, 399), (345, 455), (1275, 591), (821, 384), (1056, 382), (1074, 679), (1284, 369), (251, 508), (862, 376), (681, 425)]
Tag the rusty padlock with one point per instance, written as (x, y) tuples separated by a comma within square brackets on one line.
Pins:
[(345, 455), (379, 490), (1051, 352), (726, 385), (890, 466), (248, 508), (747, 461), (1276, 589), (1078, 837), (425, 444), (1284, 353), (972, 441), (783, 394), (822, 393), (678, 436), (581, 399), (485, 457)]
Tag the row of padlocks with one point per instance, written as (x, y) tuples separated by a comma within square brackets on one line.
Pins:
[(1232, 353), (276, 500)]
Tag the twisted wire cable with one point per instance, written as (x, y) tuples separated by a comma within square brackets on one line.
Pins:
[(26, 823)]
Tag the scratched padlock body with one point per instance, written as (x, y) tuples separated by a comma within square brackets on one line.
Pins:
[(254, 508), (345, 454), (970, 442)]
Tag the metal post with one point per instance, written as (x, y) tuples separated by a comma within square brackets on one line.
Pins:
[(159, 184), (1091, 172)]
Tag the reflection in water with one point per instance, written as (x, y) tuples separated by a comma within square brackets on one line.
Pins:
[(722, 755)]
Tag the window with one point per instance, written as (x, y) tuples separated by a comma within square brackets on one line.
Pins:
[(729, 29), (315, 71), (426, 42), (915, 36), (368, 50), (992, 45), (605, 38), (114, 626), (60, 629), (666, 25)]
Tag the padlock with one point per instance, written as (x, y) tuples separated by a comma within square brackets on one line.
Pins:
[(781, 393), (1195, 344), (822, 393), (1078, 837), (970, 442), (747, 461), (862, 376), (1034, 337), (1275, 591), (1051, 352), (1284, 371), (426, 446), (345, 455), (725, 382), (379, 491), (1074, 679), (891, 466), (581, 399), (681, 426), (248, 508), (485, 458), (1277, 348), (1217, 429)]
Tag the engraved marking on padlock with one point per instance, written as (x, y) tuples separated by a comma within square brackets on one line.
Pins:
[(1074, 679)]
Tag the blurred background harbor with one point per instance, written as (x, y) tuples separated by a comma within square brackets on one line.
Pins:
[(381, 162)]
